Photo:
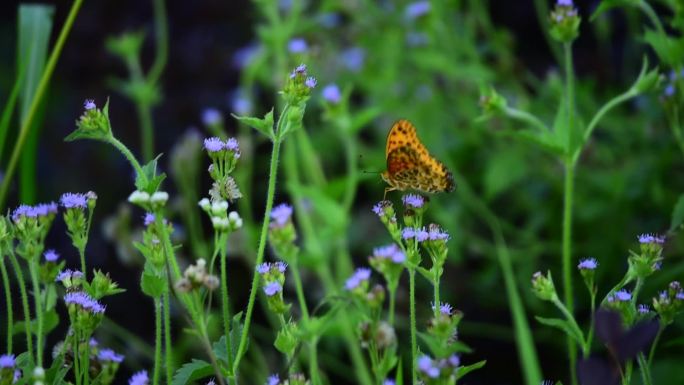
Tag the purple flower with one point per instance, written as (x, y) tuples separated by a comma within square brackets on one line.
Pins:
[(426, 366), (263, 268), (281, 266), (232, 145), (332, 94), (680, 295), (51, 256), (360, 275), (379, 208), (43, 209), (7, 361), (213, 144), (89, 104), (391, 252), (297, 45), (454, 360), (435, 233), (669, 90), (643, 309), (389, 381), (623, 295), (68, 274), (211, 116), (417, 9), (422, 235), (445, 309), (84, 301), (139, 378), (93, 343), (408, 233), (109, 355), (353, 58), (651, 238), (301, 69), (273, 380), (23, 211), (244, 56), (239, 102), (310, 82), (564, 3), (272, 288), (588, 264), (413, 201), (148, 219), (281, 214), (74, 200)]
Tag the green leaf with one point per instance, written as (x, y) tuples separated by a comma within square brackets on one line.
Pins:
[(50, 322), (437, 346), (463, 370), (670, 50), (546, 139), (152, 284), (606, 5), (504, 169), (364, 117), (219, 347), (563, 325), (149, 181), (677, 214), (192, 371), (265, 125)]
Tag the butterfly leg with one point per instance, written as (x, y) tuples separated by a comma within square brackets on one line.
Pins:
[(387, 189)]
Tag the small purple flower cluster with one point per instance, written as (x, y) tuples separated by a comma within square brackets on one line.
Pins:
[(84, 301), (211, 117), (74, 201), (588, 264), (139, 378), (273, 288), (148, 219), (432, 368), (413, 201), (643, 309), (281, 215), (215, 144), (444, 309), (39, 210), (89, 104), (51, 256), (301, 70), (417, 9), (620, 295), (266, 267), (68, 275), (110, 356), (297, 45), (7, 361), (360, 275), (273, 380), (332, 94), (391, 252), (651, 238)]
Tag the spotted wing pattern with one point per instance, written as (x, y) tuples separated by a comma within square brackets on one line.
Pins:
[(410, 165)]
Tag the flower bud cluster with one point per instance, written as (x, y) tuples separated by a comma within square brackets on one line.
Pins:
[(565, 22), (221, 220), (149, 202), (543, 287), (272, 281), (669, 303), (196, 276), (436, 371)]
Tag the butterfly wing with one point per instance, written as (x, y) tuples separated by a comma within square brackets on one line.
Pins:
[(410, 165)]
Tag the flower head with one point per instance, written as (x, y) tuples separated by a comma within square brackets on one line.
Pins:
[(24, 211), (43, 209), (391, 252), (445, 309), (588, 264), (7, 361), (417, 9), (428, 367), (360, 275), (148, 219), (273, 380), (422, 235), (332, 94), (84, 301), (435, 233), (232, 145), (139, 378), (413, 201), (281, 214), (623, 295), (564, 3), (213, 144), (353, 58), (273, 288), (310, 82), (263, 268), (74, 200), (89, 104), (408, 233), (211, 117), (643, 309), (281, 266), (297, 45), (109, 355), (51, 256), (651, 238)]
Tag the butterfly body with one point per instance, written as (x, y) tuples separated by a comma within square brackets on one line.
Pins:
[(409, 164)]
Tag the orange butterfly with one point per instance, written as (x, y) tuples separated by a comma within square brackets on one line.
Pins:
[(410, 165)]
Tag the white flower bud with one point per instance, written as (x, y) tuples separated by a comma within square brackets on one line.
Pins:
[(219, 208), (139, 197), (160, 197), (39, 373), (233, 216), (205, 204)]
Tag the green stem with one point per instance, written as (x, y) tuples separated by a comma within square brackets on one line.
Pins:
[(37, 98), (435, 286), (224, 296), (650, 13), (146, 131), (526, 117), (568, 316), (299, 288), (7, 112), (313, 361), (77, 357), (590, 336), (392, 299), (157, 340), (272, 177), (127, 154), (645, 370), (168, 346), (161, 31), (8, 301), (567, 203), (25, 305), (412, 310), (651, 353), (37, 303)]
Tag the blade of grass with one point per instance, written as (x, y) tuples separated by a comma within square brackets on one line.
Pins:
[(34, 27)]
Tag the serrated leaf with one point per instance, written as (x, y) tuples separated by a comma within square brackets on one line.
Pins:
[(219, 347), (152, 284), (192, 371), (677, 214), (463, 370), (263, 125), (562, 325), (149, 181)]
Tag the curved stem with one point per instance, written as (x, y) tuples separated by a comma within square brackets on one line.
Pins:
[(24, 304), (570, 318), (8, 302), (651, 353), (37, 303), (127, 154), (412, 310), (168, 346), (162, 35), (526, 117), (272, 177), (37, 98), (299, 288), (652, 16)]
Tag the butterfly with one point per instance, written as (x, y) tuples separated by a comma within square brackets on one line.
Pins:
[(410, 165)]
